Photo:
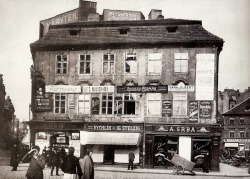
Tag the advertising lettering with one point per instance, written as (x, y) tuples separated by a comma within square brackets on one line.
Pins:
[(205, 110), (166, 108), (193, 111), (142, 89), (114, 128)]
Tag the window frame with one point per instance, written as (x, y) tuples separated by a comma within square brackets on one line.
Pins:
[(230, 121), (78, 109), (242, 132), (136, 65), (152, 61), (231, 134), (60, 101), (155, 101), (61, 68), (185, 101), (109, 64), (180, 56), (242, 119), (107, 102), (85, 61)]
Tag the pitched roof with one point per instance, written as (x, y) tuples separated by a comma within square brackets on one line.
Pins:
[(242, 108), (142, 31)]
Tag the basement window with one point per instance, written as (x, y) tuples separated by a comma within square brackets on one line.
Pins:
[(74, 32), (124, 30), (171, 29)]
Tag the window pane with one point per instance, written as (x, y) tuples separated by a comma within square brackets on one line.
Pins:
[(105, 57)]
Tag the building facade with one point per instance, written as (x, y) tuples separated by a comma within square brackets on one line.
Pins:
[(121, 84)]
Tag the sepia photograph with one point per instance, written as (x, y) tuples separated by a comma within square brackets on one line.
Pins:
[(124, 89)]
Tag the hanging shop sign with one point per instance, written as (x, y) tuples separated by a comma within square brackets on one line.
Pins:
[(98, 89), (181, 87), (113, 127), (62, 89), (43, 104), (193, 110), (181, 129), (142, 89), (166, 108), (205, 110)]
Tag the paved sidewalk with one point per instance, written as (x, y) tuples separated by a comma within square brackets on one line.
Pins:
[(225, 171)]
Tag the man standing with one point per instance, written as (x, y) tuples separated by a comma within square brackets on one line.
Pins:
[(55, 161), (87, 166), (70, 165), (131, 157), (14, 157)]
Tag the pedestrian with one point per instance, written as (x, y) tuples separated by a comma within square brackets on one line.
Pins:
[(205, 166), (37, 163), (55, 161), (131, 157), (87, 165), (70, 165), (14, 158)]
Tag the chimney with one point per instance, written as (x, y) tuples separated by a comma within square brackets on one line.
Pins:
[(155, 14), (85, 8)]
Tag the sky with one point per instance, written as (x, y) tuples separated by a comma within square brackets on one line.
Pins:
[(228, 19)]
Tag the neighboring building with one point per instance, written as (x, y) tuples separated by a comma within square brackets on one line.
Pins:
[(236, 127), (2, 111), (144, 85)]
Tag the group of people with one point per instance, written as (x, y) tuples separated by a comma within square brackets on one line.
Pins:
[(71, 166)]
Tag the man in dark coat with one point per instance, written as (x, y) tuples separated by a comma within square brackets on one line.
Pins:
[(55, 161), (70, 165), (131, 158), (14, 160)]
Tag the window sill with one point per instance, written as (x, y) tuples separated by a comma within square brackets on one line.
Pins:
[(128, 116), (156, 116)]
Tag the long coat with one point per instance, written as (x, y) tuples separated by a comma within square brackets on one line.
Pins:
[(87, 166), (36, 167)]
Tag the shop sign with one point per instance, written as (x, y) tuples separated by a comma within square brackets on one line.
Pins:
[(193, 110), (236, 140), (182, 129), (114, 127), (205, 110), (181, 87), (98, 89), (166, 108), (111, 15), (62, 89), (43, 104), (142, 89)]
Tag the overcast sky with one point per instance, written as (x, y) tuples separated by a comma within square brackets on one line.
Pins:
[(228, 19)]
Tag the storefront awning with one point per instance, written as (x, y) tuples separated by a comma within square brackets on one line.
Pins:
[(109, 138), (231, 144)]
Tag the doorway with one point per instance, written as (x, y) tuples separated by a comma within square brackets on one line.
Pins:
[(108, 154)]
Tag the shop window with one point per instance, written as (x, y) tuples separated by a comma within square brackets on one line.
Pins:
[(231, 134), (154, 64), (181, 62), (201, 146), (61, 64), (107, 103), (60, 103), (154, 104), (85, 64), (84, 104), (108, 64), (179, 104), (242, 121), (160, 151), (126, 105), (231, 121), (130, 63), (242, 134)]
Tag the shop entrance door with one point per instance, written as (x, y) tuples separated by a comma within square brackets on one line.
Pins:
[(160, 151), (108, 154)]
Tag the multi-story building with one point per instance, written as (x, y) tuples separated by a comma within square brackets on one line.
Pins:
[(117, 82)]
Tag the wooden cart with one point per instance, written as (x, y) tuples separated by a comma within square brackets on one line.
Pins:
[(181, 165)]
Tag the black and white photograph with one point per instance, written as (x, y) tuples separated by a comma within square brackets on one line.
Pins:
[(124, 89)]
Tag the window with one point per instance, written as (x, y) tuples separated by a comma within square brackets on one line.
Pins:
[(108, 64), (61, 64), (242, 134), (127, 105), (154, 104), (60, 103), (154, 63), (242, 121), (231, 134), (130, 63), (231, 121), (179, 104), (85, 64), (107, 103), (84, 104), (181, 62)]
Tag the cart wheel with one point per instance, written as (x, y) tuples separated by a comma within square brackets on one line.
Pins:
[(179, 170)]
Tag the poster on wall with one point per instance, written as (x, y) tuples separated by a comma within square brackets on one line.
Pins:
[(205, 110), (205, 76), (193, 111), (166, 108)]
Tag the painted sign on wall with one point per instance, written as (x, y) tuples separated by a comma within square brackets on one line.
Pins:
[(111, 15), (62, 89), (98, 89), (205, 111), (43, 104), (142, 89), (166, 108), (205, 64), (193, 111), (113, 127)]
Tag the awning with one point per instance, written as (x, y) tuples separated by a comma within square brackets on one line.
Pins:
[(231, 144), (109, 138)]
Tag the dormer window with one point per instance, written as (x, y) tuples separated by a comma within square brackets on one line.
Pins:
[(74, 32), (171, 29), (124, 30)]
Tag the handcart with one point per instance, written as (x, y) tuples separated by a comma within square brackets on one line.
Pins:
[(181, 165)]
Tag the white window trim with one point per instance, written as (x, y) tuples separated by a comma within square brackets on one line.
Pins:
[(156, 115), (153, 73), (89, 104), (56, 65), (113, 101), (109, 67), (66, 104), (179, 115), (91, 62), (233, 133), (124, 66), (182, 58)]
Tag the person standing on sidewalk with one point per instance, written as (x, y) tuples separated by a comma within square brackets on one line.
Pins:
[(14, 160), (55, 161), (131, 157), (87, 165), (37, 164), (70, 165)]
